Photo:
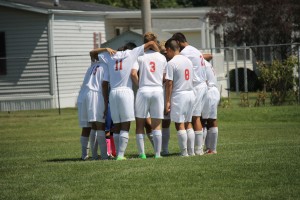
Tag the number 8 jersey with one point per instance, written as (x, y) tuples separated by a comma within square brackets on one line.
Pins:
[(180, 71)]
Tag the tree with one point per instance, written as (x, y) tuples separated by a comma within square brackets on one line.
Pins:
[(257, 22)]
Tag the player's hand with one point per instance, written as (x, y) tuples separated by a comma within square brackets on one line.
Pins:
[(167, 108), (111, 51)]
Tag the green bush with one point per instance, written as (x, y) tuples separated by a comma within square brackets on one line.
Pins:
[(279, 80)]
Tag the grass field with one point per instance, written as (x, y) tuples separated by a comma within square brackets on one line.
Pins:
[(258, 158)]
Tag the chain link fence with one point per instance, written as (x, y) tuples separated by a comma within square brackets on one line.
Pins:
[(28, 83)]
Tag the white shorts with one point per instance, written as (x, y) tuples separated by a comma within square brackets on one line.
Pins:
[(211, 104), (200, 93), (182, 106), (149, 101), (82, 124), (93, 107), (121, 102)]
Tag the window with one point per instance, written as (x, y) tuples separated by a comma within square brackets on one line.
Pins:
[(2, 54)]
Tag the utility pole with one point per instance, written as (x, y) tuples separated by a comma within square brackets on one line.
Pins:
[(146, 15)]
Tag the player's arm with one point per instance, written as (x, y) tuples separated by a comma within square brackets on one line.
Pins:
[(207, 56), (169, 87), (151, 45), (135, 77), (105, 96), (94, 53)]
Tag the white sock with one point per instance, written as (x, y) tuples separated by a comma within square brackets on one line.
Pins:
[(190, 141), (213, 132), (150, 137), (204, 134), (182, 141), (84, 144), (140, 143), (102, 144), (123, 141), (94, 144), (157, 139), (165, 140), (199, 142), (116, 141)]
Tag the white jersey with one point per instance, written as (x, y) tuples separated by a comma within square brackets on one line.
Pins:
[(180, 71), (151, 67), (198, 61), (120, 65), (93, 79), (211, 75)]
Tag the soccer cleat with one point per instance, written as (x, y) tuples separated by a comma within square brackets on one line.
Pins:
[(164, 153), (157, 157), (142, 156), (199, 152), (210, 152), (121, 158), (85, 157)]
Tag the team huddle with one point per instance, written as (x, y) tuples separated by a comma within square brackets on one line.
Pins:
[(175, 83)]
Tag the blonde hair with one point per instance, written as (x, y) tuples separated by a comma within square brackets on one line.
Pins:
[(150, 36)]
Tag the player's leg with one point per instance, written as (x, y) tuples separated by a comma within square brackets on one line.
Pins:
[(165, 136), (123, 139), (84, 139), (190, 138), (140, 135), (101, 138), (212, 134), (86, 129), (148, 130), (157, 136), (200, 92), (182, 138), (93, 141)]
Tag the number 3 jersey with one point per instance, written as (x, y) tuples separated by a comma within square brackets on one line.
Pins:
[(180, 71), (120, 65), (151, 67)]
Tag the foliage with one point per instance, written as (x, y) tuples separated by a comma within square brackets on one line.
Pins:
[(257, 22), (279, 79), (135, 4)]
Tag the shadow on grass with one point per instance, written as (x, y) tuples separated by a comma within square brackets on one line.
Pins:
[(129, 157)]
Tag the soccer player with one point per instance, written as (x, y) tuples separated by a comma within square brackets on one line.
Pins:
[(200, 88), (86, 132), (92, 107), (166, 120), (209, 114), (149, 99), (121, 97), (180, 97)]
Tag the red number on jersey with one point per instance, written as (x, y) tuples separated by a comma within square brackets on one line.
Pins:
[(117, 65), (187, 74), (152, 66)]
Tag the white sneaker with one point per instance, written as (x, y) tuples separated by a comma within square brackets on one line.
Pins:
[(85, 157), (199, 152)]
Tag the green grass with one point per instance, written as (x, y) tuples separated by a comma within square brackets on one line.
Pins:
[(258, 158)]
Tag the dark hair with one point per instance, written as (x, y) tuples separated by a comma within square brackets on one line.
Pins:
[(172, 44), (129, 46), (179, 37)]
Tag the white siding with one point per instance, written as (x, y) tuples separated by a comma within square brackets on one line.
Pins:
[(126, 24), (27, 52), (72, 40)]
